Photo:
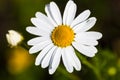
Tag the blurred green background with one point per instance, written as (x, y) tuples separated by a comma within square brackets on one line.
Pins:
[(17, 64)]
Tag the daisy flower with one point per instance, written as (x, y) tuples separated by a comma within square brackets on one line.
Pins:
[(58, 36)]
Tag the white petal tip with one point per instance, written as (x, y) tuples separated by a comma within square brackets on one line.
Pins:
[(100, 35), (37, 13), (27, 29), (94, 18), (28, 43), (70, 1), (52, 2), (70, 71), (32, 19), (92, 55), (37, 64), (88, 11), (43, 66), (51, 71), (30, 52), (78, 69)]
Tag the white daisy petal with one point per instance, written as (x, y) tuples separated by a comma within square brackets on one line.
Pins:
[(45, 19), (42, 54), (41, 25), (36, 31), (39, 46), (65, 14), (49, 14), (89, 35), (46, 60), (68, 53), (66, 61), (55, 61), (85, 40), (81, 17), (71, 13), (84, 26), (93, 34), (55, 12), (75, 61), (56, 57), (86, 50), (37, 40)]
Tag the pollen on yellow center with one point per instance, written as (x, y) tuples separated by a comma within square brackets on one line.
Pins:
[(62, 36)]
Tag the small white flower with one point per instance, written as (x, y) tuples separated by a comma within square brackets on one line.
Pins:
[(14, 38), (58, 37)]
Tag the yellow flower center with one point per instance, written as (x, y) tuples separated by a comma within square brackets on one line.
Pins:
[(62, 36)]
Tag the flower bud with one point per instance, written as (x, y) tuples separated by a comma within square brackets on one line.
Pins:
[(14, 38)]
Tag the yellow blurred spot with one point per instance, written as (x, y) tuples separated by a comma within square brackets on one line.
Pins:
[(112, 71), (14, 38), (18, 60)]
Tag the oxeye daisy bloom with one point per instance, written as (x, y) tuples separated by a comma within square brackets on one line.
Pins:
[(58, 37)]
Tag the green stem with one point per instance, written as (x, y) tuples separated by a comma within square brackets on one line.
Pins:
[(88, 64), (95, 70)]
